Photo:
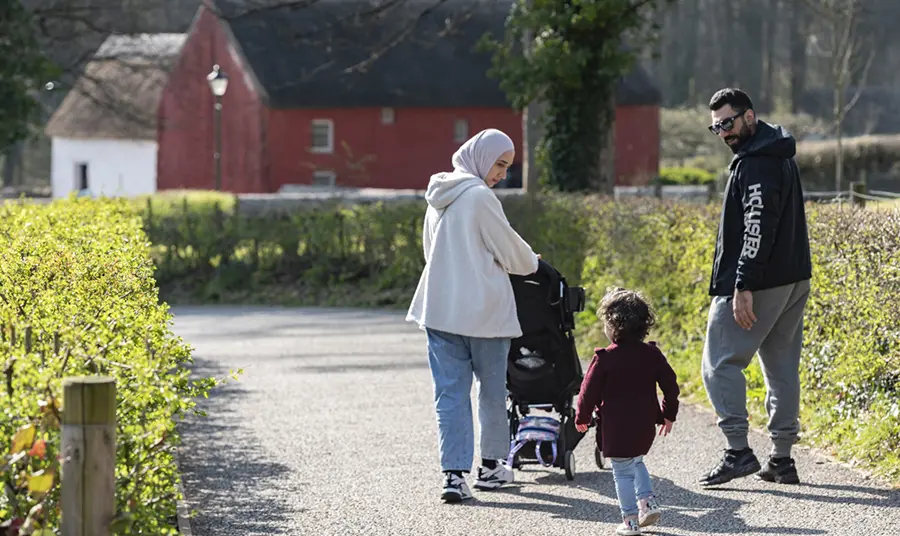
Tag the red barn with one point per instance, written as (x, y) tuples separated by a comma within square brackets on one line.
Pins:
[(307, 103)]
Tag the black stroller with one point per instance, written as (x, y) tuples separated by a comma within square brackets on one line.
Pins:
[(544, 372)]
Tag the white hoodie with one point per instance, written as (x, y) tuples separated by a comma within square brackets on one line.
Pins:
[(470, 248)]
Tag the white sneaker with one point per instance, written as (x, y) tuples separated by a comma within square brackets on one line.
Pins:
[(649, 513), (455, 489), (629, 527), (489, 479)]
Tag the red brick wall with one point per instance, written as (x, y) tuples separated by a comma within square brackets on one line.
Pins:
[(637, 144), (263, 149), (186, 142), (368, 153)]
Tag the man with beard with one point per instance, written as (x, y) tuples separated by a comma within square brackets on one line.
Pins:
[(759, 286)]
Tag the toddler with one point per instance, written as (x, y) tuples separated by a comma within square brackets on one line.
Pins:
[(621, 385)]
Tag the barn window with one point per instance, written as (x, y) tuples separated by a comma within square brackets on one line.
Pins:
[(324, 178), (461, 131), (387, 116), (322, 136)]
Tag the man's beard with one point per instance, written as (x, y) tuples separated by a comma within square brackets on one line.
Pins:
[(741, 137)]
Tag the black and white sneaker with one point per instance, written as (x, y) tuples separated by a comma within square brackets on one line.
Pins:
[(489, 479), (780, 471), (455, 488), (734, 464)]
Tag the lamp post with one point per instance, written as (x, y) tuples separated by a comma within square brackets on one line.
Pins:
[(218, 84)]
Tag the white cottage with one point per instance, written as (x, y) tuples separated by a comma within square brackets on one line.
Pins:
[(103, 135)]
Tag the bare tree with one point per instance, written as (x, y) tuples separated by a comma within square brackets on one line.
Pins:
[(850, 50)]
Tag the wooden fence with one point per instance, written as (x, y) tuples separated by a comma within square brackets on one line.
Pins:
[(88, 437)]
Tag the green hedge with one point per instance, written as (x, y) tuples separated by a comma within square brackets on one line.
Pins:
[(327, 254), (686, 142), (371, 255), (863, 156), (686, 175), (78, 297)]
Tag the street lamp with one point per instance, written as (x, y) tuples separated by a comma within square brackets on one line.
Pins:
[(218, 84)]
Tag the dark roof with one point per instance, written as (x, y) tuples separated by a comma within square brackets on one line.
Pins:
[(300, 53)]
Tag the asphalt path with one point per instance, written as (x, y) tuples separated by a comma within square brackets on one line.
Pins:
[(331, 431)]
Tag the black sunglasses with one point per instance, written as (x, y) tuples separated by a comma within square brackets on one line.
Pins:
[(725, 125)]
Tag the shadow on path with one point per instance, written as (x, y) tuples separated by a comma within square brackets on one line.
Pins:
[(683, 508), (225, 469)]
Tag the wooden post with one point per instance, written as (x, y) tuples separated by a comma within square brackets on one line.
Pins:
[(857, 187), (88, 495), (711, 191)]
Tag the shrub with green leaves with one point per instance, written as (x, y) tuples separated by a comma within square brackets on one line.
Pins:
[(77, 298), (686, 175)]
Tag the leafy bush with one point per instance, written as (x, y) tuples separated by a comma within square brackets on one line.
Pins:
[(77, 297), (686, 175)]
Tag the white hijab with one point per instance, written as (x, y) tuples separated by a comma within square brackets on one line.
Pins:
[(479, 154)]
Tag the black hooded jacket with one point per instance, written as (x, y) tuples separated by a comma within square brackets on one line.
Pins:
[(763, 240)]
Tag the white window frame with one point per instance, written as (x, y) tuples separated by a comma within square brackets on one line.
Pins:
[(460, 130), (324, 174), (388, 116), (319, 123)]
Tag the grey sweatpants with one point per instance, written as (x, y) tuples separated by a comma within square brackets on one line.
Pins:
[(778, 337)]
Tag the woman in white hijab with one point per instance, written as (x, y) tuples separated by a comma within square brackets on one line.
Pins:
[(464, 302)]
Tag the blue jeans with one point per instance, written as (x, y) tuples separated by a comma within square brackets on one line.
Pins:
[(453, 359), (632, 483)]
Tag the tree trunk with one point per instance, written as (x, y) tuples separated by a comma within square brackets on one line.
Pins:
[(728, 62), (769, 35), (531, 134), (606, 167), (838, 128), (798, 29), (750, 57), (689, 61), (12, 164)]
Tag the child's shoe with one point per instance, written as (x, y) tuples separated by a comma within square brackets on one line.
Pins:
[(648, 512), (629, 527)]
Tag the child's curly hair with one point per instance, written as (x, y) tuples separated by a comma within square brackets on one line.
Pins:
[(627, 314)]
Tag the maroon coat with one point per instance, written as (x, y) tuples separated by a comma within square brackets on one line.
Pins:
[(621, 380)]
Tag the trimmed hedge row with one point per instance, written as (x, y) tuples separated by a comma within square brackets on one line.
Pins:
[(78, 297), (687, 142), (371, 255), (863, 156), (686, 175)]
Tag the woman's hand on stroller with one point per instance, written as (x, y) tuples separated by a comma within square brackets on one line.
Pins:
[(581, 427), (665, 429)]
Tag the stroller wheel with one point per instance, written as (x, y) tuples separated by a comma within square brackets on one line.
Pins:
[(599, 457), (570, 465)]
